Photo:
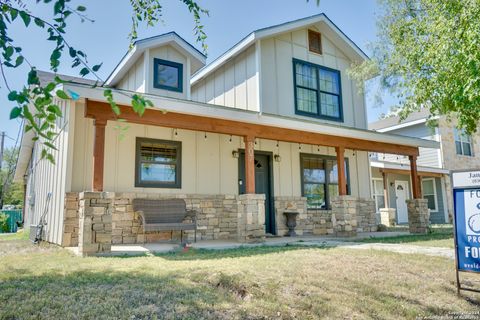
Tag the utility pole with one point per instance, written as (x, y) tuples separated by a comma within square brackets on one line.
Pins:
[(2, 142)]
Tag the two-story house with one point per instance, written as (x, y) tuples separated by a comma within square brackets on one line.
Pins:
[(390, 173), (273, 125)]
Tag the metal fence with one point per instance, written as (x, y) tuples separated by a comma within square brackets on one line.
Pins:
[(13, 216)]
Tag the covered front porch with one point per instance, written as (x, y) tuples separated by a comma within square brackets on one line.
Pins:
[(104, 216)]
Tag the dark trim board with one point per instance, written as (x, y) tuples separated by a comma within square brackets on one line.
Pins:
[(271, 203)]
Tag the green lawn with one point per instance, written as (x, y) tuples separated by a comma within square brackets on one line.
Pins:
[(256, 283), (439, 236)]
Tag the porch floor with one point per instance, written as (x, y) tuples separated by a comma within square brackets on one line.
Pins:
[(151, 248)]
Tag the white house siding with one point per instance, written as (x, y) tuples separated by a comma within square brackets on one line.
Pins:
[(208, 166), (428, 157), (233, 85), (277, 85), (142, 72), (45, 177), (134, 80)]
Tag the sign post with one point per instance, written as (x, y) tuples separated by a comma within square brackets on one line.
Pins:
[(466, 223)]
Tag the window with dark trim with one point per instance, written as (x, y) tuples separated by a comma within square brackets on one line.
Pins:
[(158, 163), (167, 75), (314, 41), (319, 177), (463, 142), (318, 91)]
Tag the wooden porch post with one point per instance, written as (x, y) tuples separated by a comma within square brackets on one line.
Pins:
[(385, 189), (342, 184), (416, 189), (249, 164), (98, 154)]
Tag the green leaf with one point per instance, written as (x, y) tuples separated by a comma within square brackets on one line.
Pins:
[(50, 145), (13, 14), (13, 95), (72, 52), (33, 78), (19, 61), (7, 54), (81, 8), (84, 72), (39, 22), (49, 87), (25, 17), (62, 95), (97, 67), (54, 109), (15, 113)]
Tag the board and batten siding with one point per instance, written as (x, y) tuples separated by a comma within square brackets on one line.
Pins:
[(140, 76), (428, 157), (208, 166), (232, 85), (277, 85), (45, 177)]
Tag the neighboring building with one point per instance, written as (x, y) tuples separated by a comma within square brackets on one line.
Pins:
[(273, 124), (458, 151)]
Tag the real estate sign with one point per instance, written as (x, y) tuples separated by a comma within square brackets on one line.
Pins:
[(466, 195)]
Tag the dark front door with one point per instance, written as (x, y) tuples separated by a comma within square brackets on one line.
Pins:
[(263, 184)]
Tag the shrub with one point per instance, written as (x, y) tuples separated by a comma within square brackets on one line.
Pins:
[(3, 222)]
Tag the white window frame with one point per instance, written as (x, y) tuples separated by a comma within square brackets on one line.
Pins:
[(435, 195), (378, 194), (463, 138)]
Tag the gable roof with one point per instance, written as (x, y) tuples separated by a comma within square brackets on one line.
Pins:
[(139, 47), (351, 48), (393, 123)]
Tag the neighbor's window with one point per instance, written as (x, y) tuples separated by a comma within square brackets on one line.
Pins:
[(167, 75), (463, 142), (314, 41), (158, 163), (430, 193), (378, 194), (319, 179), (317, 91)]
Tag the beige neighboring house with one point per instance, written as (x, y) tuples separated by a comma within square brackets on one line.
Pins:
[(457, 151), (272, 125)]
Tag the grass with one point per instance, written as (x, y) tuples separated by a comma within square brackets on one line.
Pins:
[(249, 283), (439, 236)]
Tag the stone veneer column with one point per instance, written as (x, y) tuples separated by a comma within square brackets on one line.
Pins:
[(95, 225), (251, 218), (418, 215), (387, 216), (344, 216)]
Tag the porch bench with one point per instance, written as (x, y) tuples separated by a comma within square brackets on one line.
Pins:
[(164, 215)]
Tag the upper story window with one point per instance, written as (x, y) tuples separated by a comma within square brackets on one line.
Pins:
[(314, 41), (158, 163), (463, 142), (167, 75), (317, 91), (320, 179)]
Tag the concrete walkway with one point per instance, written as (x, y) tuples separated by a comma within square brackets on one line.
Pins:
[(326, 241)]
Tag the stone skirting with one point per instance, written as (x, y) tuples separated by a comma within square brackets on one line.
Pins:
[(251, 218), (351, 215), (387, 216), (70, 220), (418, 215), (309, 221)]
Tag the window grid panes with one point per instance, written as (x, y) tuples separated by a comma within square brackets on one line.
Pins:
[(320, 180), (429, 193), (158, 163), (317, 91), (378, 194), (463, 142)]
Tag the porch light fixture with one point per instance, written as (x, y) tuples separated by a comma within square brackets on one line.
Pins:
[(277, 158), (235, 154)]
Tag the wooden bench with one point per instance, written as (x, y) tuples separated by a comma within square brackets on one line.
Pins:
[(163, 215)]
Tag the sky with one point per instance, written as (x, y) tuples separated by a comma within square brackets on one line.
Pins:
[(106, 39)]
